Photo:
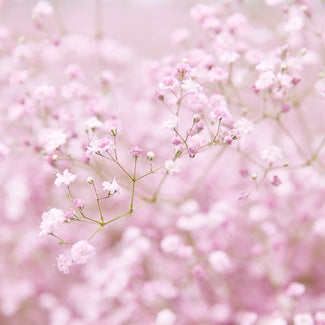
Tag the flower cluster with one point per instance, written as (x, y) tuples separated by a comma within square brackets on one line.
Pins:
[(183, 176)]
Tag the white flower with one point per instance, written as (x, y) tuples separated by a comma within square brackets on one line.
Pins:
[(277, 321), (272, 154), (190, 86), (274, 2), (18, 77), (150, 155), (303, 319), (172, 167), (44, 94), (294, 23), (90, 180), (51, 220), (320, 317), (171, 243), (296, 289), (243, 126), (107, 77), (92, 123), (247, 318), (171, 124), (66, 178), (320, 87), (52, 139), (4, 151), (111, 187), (100, 145), (82, 251), (42, 9), (265, 80), (165, 317), (220, 261)]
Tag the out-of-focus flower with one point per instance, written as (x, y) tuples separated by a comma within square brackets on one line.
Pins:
[(51, 220), (65, 178), (82, 251), (172, 167)]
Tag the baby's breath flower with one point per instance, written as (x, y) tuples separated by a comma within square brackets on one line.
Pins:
[(65, 178)]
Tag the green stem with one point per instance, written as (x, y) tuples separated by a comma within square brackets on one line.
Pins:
[(97, 230), (133, 183), (98, 204), (118, 217)]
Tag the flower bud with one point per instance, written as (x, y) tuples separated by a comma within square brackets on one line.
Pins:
[(90, 180), (150, 155)]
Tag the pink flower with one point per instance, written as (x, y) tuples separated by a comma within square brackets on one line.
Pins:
[(192, 150), (82, 251), (66, 178), (136, 151), (100, 146), (219, 113), (183, 67), (44, 95), (63, 264), (284, 80), (106, 78), (211, 23), (265, 80), (79, 203), (198, 272), (18, 77), (286, 107), (217, 74), (42, 12), (75, 89), (51, 220), (196, 101), (196, 118), (201, 11), (276, 181), (73, 71), (113, 125), (69, 214), (236, 22), (169, 84), (180, 35)]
